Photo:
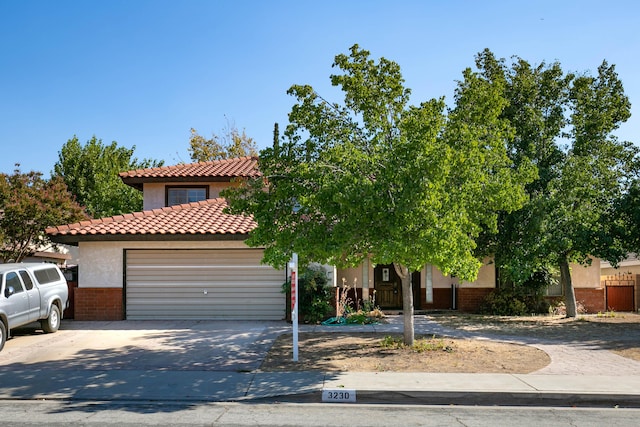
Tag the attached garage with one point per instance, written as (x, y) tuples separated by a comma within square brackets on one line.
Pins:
[(182, 257), (201, 284)]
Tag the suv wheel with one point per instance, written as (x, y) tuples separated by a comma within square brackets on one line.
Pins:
[(3, 334), (52, 323)]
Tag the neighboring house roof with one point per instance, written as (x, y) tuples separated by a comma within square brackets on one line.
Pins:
[(631, 260), (218, 170), (191, 221), (51, 255)]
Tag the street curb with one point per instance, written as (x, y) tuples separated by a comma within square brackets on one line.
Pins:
[(464, 398)]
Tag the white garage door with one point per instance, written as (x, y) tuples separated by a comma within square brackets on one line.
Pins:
[(202, 284)]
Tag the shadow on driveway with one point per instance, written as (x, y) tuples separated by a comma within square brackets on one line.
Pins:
[(179, 361)]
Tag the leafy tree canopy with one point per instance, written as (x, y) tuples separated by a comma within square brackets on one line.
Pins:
[(232, 143), (28, 205), (90, 172), (564, 124), (376, 177)]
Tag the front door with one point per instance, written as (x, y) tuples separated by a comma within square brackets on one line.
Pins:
[(388, 287)]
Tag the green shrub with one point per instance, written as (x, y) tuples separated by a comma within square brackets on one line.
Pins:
[(513, 302), (314, 296), (525, 298)]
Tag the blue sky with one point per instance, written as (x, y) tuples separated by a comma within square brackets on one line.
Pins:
[(143, 72)]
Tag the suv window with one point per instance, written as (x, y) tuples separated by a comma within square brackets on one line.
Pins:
[(26, 279), (14, 280), (47, 275)]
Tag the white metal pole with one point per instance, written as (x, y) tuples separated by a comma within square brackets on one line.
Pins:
[(294, 304)]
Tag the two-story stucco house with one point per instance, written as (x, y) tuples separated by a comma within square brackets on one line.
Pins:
[(182, 257)]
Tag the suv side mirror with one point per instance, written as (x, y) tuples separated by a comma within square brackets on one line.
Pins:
[(9, 291)]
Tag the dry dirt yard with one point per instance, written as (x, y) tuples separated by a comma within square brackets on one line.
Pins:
[(367, 352)]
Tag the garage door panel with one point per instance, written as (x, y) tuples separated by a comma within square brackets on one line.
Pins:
[(202, 284), (182, 279), (196, 258)]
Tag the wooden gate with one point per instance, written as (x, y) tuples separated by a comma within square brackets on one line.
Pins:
[(620, 292)]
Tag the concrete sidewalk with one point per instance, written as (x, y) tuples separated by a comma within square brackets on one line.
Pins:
[(385, 387), (571, 379)]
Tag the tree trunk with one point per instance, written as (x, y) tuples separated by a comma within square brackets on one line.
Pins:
[(567, 288), (407, 303)]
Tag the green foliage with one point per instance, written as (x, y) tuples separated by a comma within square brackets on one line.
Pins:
[(231, 144), (369, 305), (90, 172), (28, 205), (376, 177), (358, 318), (505, 302), (421, 345), (607, 314), (563, 123), (364, 317), (314, 299), (519, 300)]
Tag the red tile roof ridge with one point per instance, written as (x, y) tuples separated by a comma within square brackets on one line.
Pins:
[(145, 171)]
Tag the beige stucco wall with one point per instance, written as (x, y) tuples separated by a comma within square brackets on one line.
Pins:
[(351, 277), (610, 271), (439, 280), (486, 276), (586, 277), (100, 264), (626, 267), (154, 193)]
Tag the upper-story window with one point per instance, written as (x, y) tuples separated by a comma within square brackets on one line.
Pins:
[(180, 195)]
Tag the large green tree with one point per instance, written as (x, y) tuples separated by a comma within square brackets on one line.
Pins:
[(28, 205), (90, 172), (375, 177), (564, 123)]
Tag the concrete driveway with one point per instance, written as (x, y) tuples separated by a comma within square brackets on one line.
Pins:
[(165, 361), (238, 346)]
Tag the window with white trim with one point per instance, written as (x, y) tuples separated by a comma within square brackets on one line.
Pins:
[(180, 195)]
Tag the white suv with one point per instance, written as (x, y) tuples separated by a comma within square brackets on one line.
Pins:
[(30, 293)]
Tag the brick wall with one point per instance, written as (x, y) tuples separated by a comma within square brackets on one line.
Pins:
[(469, 299), (98, 304), (591, 299), (441, 299), (70, 310)]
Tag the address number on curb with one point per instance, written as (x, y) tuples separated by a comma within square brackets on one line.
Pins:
[(338, 395)]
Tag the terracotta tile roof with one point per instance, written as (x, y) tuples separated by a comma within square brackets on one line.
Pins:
[(218, 170), (205, 218)]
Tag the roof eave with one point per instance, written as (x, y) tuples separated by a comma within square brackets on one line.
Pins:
[(75, 239), (138, 182)]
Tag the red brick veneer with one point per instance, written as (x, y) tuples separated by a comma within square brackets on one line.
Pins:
[(591, 299), (470, 299), (98, 304), (441, 299)]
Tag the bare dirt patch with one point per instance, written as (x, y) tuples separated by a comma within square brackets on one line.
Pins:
[(618, 332), (365, 352)]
